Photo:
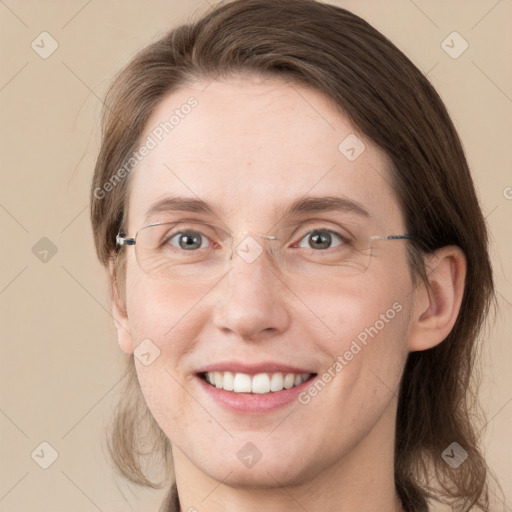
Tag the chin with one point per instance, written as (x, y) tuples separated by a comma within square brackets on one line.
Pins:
[(274, 470), (263, 477)]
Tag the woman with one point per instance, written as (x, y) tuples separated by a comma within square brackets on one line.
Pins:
[(299, 268)]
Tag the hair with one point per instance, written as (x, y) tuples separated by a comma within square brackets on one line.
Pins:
[(389, 100)]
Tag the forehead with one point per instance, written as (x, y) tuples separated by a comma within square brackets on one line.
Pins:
[(251, 146)]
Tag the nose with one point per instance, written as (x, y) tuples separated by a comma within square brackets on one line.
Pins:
[(252, 299)]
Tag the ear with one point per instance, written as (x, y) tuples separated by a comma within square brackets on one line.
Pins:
[(436, 308), (119, 313)]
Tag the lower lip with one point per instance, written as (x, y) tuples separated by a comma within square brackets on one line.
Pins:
[(253, 403)]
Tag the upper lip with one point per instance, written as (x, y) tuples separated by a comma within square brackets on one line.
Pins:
[(252, 369)]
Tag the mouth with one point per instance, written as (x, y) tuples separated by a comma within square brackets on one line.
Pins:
[(258, 384)]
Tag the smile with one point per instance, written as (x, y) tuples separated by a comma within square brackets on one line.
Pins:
[(261, 383)]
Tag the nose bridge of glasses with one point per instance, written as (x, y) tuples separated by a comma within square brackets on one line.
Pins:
[(249, 233), (249, 245)]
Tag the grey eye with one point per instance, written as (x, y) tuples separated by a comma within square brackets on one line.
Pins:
[(321, 239), (189, 240)]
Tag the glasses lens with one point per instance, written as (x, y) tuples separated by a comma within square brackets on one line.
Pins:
[(186, 251), (322, 250), (180, 250)]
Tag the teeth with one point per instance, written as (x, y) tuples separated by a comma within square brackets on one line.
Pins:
[(218, 379), (276, 382), (228, 381), (260, 383), (289, 381), (241, 384)]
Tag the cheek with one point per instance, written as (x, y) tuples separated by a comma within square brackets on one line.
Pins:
[(367, 354), (362, 309), (159, 310), (162, 325), (369, 328)]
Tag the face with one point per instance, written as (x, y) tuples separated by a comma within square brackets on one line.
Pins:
[(249, 148)]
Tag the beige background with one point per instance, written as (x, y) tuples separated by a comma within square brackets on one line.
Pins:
[(60, 362)]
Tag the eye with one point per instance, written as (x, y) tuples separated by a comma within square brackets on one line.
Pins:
[(322, 239), (188, 240)]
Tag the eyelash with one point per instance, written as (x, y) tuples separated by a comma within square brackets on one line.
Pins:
[(345, 240)]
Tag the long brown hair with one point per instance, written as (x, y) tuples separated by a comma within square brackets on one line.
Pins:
[(392, 102)]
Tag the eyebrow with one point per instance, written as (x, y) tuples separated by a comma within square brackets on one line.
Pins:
[(301, 205)]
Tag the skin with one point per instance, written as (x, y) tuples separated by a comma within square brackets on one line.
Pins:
[(267, 143)]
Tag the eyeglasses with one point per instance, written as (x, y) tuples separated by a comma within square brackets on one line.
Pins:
[(199, 251)]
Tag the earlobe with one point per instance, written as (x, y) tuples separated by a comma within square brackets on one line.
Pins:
[(436, 307), (120, 315)]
